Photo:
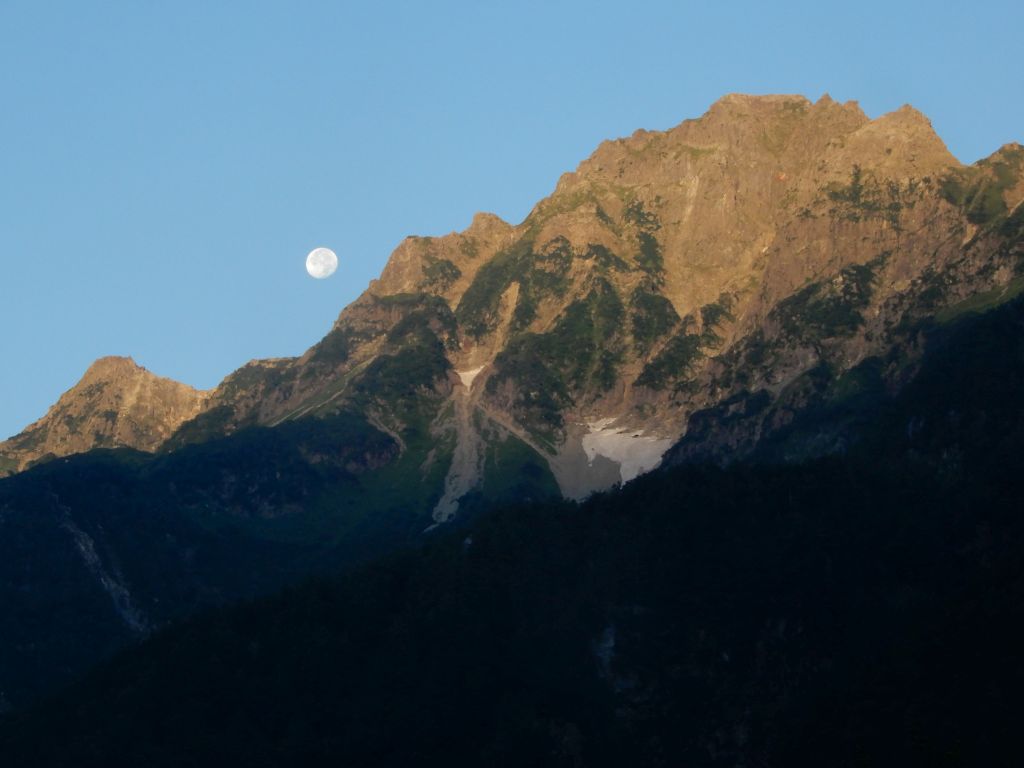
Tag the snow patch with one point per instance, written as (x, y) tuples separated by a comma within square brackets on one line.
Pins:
[(467, 376), (631, 449)]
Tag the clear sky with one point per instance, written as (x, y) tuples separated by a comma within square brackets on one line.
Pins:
[(166, 166)]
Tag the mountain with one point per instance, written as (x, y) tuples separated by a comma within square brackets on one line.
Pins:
[(116, 403), (755, 285), (629, 299), (854, 611), (733, 262), (591, 330)]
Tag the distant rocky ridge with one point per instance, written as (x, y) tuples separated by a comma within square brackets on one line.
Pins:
[(116, 403), (705, 282)]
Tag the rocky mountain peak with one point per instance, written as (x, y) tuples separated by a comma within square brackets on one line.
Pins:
[(443, 264), (900, 144), (116, 403), (111, 367)]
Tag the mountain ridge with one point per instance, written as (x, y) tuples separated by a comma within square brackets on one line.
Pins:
[(685, 242), (754, 285)]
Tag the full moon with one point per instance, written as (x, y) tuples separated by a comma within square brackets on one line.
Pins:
[(321, 263)]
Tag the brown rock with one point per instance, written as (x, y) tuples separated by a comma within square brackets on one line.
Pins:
[(117, 403)]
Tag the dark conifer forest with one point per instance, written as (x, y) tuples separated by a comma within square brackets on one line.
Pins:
[(860, 610)]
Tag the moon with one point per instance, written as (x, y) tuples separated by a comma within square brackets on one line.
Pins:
[(321, 263)]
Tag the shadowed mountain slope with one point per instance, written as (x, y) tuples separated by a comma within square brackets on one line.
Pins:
[(855, 612)]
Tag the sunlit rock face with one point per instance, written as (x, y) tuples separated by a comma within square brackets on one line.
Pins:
[(703, 283), (117, 403)]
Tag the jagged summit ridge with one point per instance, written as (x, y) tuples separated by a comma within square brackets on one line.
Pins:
[(716, 221), (636, 295)]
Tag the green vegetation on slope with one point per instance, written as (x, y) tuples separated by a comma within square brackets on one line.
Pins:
[(652, 317), (982, 302), (649, 258), (830, 308), (513, 473), (866, 197), (335, 348), (580, 353), (439, 274), (604, 259), (677, 361), (540, 273), (979, 189)]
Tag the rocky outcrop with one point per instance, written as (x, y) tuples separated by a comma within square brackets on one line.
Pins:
[(117, 403)]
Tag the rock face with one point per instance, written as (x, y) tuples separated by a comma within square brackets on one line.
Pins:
[(116, 403), (706, 283)]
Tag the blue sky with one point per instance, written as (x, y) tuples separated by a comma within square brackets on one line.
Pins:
[(165, 167)]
